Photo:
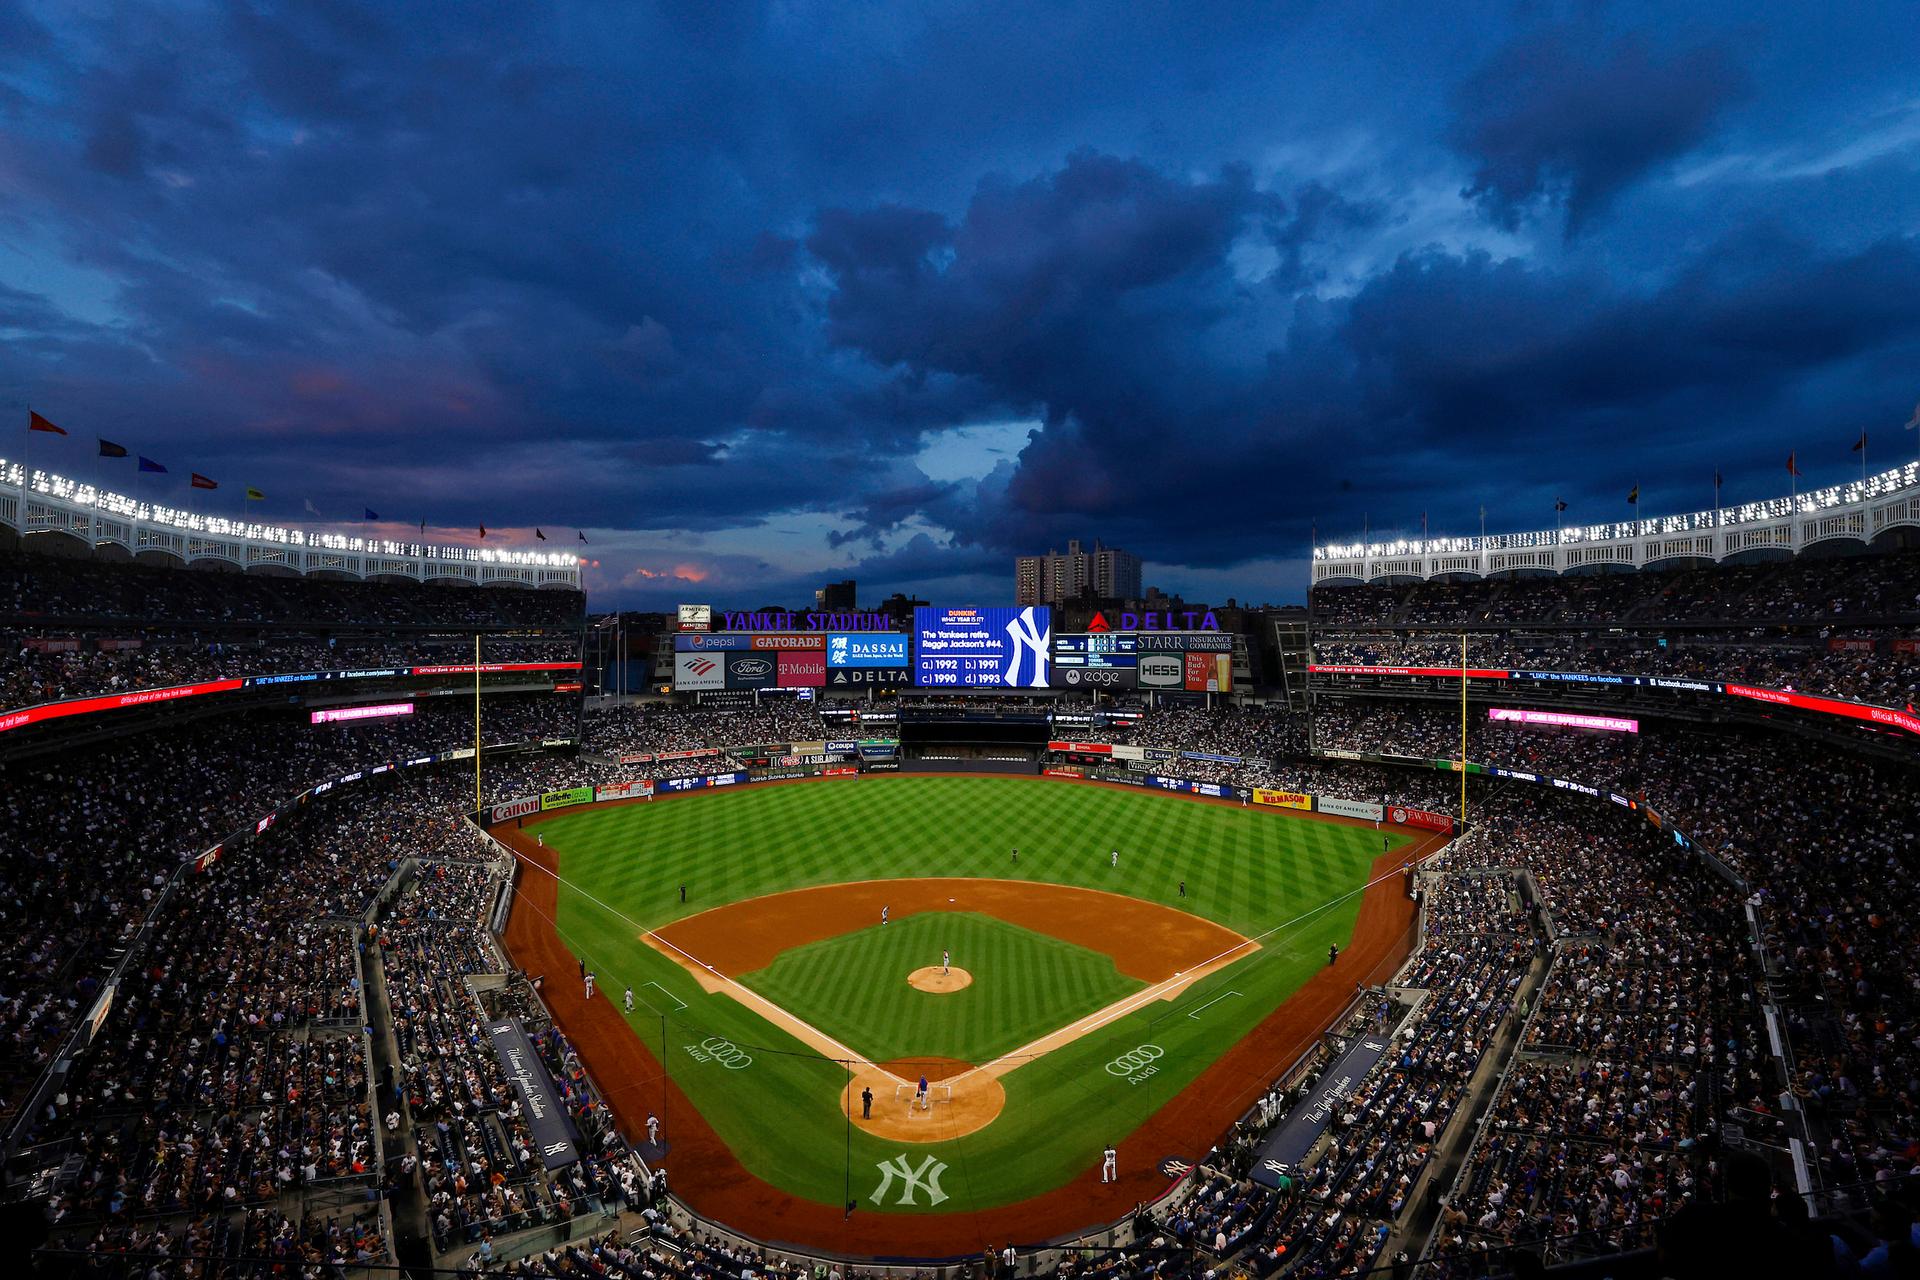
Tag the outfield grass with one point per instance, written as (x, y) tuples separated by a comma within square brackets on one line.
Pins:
[(1290, 882), (1024, 985)]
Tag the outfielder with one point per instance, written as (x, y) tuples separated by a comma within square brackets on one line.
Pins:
[(1116, 860), (1110, 1165)]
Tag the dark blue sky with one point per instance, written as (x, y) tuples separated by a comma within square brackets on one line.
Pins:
[(765, 295)]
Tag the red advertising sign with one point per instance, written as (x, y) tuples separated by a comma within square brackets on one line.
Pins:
[(1209, 672), (801, 670), (1473, 673), (1831, 706), (1400, 815), (486, 668), (798, 641), (1084, 748), (1906, 646), (138, 698), (1850, 644)]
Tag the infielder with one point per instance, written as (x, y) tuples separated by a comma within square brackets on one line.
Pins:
[(1110, 1165), (883, 915), (629, 999), (589, 986)]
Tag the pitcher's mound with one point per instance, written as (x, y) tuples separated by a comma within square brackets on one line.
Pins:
[(931, 979)]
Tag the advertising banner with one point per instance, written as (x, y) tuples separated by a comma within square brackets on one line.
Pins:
[(1400, 815), (1563, 719), (540, 1103), (696, 617), (790, 640), (1209, 673), (695, 784), (1288, 1145), (1347, 808), (867, 649), (376, 711), (845, 747), (565, 797), (1282, 799), (137, 698), (700, 642), (699, 671), (1832, 706), (868, 677), (1906, 646), (490, 668), (1473, 673), (1162, 671), (623, 790), (1184, 642), (750, 670), (1083, 748), (1850, 644), (976, 648), (1121, 752), (514, 809), (806, 669), (1095, 677)]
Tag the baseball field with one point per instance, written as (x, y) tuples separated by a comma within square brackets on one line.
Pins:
[(1054, 1002)]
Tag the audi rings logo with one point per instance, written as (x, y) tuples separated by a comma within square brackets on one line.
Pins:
[(726, 1053), (1135, 1059)]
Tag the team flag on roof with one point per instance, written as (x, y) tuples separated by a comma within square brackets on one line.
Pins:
[(1560, 504), (1861, 443), (108, 449), (582, 533), (1633, 498), (371, 513), (254, 495), (538, 534), (483, 531), (1792, 469), (148, 464), (201, 482), (37, 423)]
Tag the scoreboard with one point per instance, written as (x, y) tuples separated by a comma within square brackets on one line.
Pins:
[(971, 648), (1116, 649)]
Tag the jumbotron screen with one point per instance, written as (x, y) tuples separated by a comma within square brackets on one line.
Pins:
[(976, 648)]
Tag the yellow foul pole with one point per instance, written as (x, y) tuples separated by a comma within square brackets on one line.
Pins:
[(1463, 731), (476, 722)]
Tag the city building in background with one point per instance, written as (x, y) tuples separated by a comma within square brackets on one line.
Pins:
[(1057, 577), (835, 595)]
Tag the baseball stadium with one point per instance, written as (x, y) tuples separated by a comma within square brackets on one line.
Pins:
[(771, 640), (1299, 955)]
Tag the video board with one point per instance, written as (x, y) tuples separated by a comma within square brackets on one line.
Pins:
[(975, 648)]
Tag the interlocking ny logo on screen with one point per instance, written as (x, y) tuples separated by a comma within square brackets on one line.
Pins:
[(1028, 637)]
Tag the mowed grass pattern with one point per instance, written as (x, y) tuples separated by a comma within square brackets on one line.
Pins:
[(1024, 985), (1292, 883)]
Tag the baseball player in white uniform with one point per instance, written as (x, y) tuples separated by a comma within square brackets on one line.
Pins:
[(1110, 1165), (946, 961)]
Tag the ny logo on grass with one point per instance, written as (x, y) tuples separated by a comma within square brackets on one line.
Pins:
[(926, 1178)]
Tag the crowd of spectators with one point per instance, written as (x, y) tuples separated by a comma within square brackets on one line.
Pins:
[(50, 668), (1847, 663), (651, 728), (97, 833), (42, 590), (1868, 588)]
